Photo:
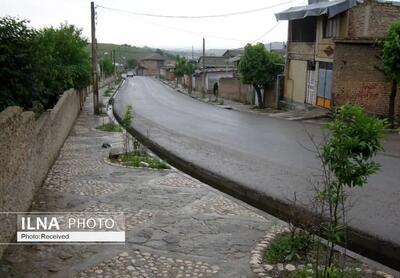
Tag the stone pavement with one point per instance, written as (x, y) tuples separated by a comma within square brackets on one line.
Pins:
[(176, 225)]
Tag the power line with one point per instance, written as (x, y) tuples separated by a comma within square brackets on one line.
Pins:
[(181, 30), (198, 16), (266, 33)]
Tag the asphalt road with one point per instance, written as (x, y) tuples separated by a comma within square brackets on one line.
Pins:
[(267, 154)]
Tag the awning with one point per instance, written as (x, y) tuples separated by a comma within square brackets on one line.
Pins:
[(330, 8)]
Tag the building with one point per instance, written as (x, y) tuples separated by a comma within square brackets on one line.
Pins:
[(167, 70), (216, 67), (333, 53), (151, 65)]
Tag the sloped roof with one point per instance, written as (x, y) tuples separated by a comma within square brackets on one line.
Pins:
[(233, 52), (330, 8), (154, 56)]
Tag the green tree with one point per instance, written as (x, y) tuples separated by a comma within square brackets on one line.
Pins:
[(107, 66), (64, 64), (131, 63), (180, 67), (189, 70), (19, 63), (259, 68), (391, 62)]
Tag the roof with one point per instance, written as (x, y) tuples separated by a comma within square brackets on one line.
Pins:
[(233, 52), (154, 56), (214, 61), (330, 8)]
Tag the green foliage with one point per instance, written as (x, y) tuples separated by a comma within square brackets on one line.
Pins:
[(107, 67), (180, 66), (258, 66), (347, 158), (110, 127), (287, 247), (131, 63), (107, 93), (354, 141), (391, 52), (65, 63), (134, 159), (128, 117), (19, 63), (331, 273), (38, 66)]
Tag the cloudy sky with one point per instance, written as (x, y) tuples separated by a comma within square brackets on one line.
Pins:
[(121, 26)]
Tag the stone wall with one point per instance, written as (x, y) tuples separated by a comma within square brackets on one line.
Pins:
[(28, 148), (358, 78), (233, 89)]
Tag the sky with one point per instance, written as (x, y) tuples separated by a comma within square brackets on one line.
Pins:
[(124, 27)]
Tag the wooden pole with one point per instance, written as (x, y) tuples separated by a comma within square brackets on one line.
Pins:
[(204, 67), (94, 61)]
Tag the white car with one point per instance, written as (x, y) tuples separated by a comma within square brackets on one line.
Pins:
[(130, 74)]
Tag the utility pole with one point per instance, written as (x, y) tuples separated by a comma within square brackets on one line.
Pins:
[(192, 53), (204, 68), (94, 61)]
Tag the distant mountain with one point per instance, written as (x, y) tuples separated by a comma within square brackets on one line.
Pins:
[(126, 52)]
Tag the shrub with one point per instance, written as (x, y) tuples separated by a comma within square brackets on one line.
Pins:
[(287, 247)]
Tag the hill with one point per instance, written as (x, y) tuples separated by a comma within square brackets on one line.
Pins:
[(126, 52)]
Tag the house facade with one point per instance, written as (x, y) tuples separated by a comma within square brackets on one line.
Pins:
[(333, 53), (151, 65), (216, 67)]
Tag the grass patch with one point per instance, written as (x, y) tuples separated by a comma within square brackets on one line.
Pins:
[(107, 93), (110, 127), (286, 247), (101, 113), (142, 160), (333, 273)]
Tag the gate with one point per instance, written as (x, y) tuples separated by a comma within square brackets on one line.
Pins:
[(311, 92), (324, 95)]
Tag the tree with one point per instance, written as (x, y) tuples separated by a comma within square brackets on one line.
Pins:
[(391, 63), (64, 64), (347, 158), (19, 63), (38, 66), (189, 70), (259, 68), (131, 63), (107, 66), (180, 67)]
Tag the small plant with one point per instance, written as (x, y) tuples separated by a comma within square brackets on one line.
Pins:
[(126, 122), (331, 273), (138, 159), (287, 247), (101, 113), (109, 127), (107, 93)]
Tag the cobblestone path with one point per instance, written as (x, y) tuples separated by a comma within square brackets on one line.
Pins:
[(176, 226)]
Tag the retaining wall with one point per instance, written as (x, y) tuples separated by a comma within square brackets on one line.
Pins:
[(28, 148)]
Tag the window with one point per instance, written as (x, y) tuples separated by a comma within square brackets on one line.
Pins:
[(331, 27), (303, 30)]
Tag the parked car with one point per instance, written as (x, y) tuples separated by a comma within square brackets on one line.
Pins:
[(130, 74)]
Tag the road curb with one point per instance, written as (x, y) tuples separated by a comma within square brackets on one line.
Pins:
[(367, 245)]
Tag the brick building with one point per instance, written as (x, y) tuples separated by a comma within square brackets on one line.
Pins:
[(333, 53)]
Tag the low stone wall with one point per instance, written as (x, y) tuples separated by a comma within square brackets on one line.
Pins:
[(28, 148), (233, 89)]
